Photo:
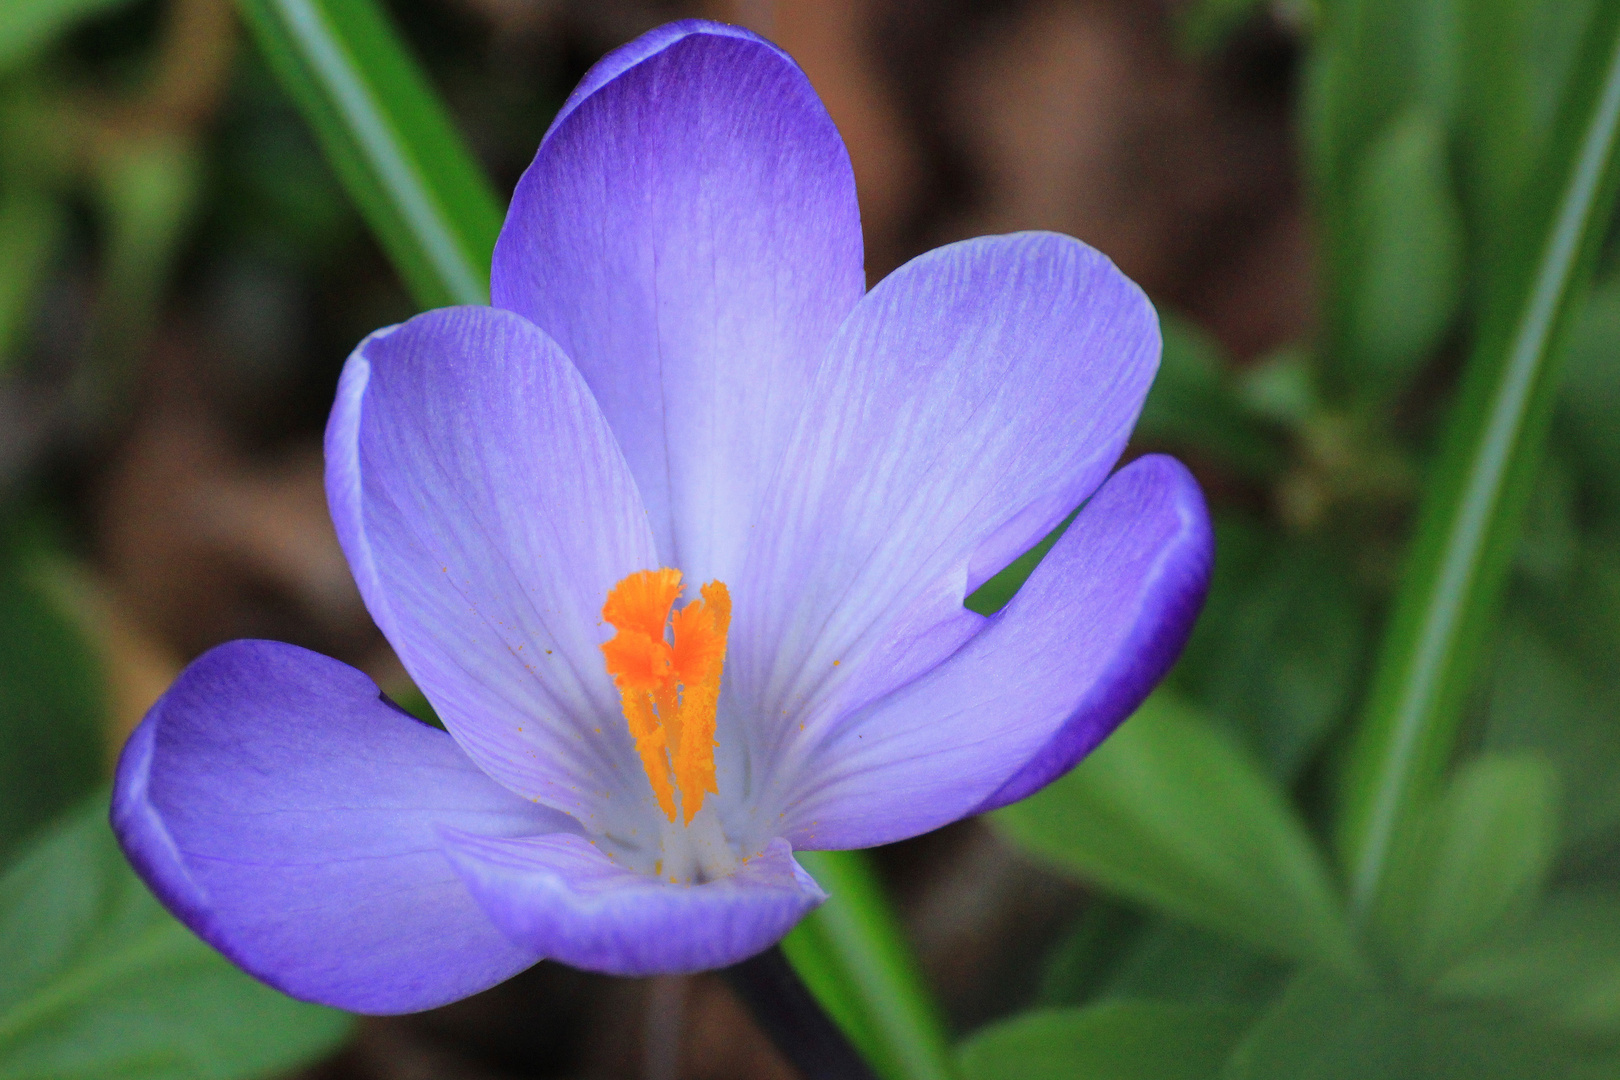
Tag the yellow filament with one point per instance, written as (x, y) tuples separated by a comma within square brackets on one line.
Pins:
[(670, 689)]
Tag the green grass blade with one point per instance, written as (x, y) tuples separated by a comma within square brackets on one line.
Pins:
[(390, 139), (853, 957), (1471, 515)]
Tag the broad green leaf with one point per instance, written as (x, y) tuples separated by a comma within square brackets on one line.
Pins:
[(1114, 951), (1590, 399), (1563, 964), (1281, 645), (1517, 56), (28, 26), (31, 226), (96, 979), (1471, 514), (389, 138), (1473, 862), (1498, 120), (1406, 274), (1371, 61), (1171, 960), (1113, 1040), (51, 703), (1086, 956), (1322, 1028), (853, 956), (1540, 697), (1193, 405), (1173, 812)]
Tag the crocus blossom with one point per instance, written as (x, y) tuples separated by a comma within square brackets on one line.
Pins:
[(675, 537)]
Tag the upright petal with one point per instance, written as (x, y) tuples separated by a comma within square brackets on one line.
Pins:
[(288, 814), (486, 512), (972, 399), (1092, 631), (688, 233), (562, 896)]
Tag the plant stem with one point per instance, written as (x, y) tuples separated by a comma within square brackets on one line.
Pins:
[(795, 1022)]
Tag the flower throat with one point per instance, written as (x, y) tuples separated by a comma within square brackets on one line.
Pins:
[(670, 688)]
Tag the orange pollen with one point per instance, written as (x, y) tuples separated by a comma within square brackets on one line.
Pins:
[(670, 688)]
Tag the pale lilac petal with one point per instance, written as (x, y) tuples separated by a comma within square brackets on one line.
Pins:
[(486, 512), (561, 895), (971, 401), (688, 233), (1078, 648), (288, 814)]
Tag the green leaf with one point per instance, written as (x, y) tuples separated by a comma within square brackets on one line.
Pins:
[(1089, 953), (1114, 1040), (1282, 642), (1407, 259), (1114, 951), (1471, 514), (1323, 1028), (1173, 812), (389, 138), (31, 227), (1564, 964), (1173, 961), (1372, 61), (1500, 136), (28, 26), (1473, 862), (1590, 398), (51, 703), (96, 979), (853, 956), (1540, 697)]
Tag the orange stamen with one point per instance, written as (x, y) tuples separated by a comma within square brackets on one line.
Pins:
[(670, 690)]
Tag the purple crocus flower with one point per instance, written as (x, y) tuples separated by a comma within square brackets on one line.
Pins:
[(681, 379)]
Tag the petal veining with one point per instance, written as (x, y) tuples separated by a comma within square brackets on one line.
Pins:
[(971, 400), (486, 511), (1092, 631), (290, 816), (688, 233), (562, 896)]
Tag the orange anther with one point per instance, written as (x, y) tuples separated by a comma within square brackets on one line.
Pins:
[(670, 690)]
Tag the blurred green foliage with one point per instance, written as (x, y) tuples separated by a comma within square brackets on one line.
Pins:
[(51, 699), (100, 981)]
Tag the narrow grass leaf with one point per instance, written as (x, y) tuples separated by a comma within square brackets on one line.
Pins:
[(389, 138), (1477, 495), (853, 955)]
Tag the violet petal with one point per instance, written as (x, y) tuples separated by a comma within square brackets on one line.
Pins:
[(969, 403), (688, 233), (288, 814), (486, 511), (562, 896), (1073, 654)]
